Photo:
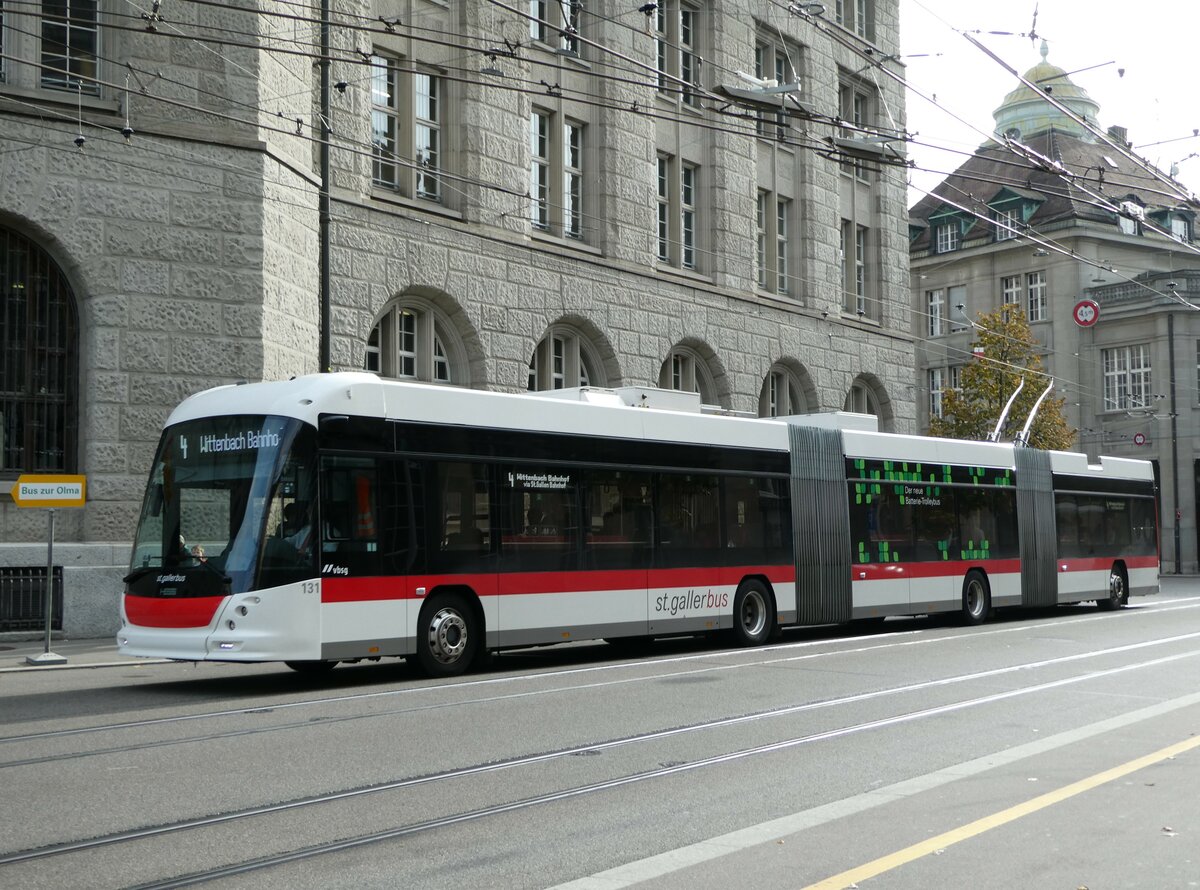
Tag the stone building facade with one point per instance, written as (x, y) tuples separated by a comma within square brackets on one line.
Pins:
[(525, 195), (1072, 218)]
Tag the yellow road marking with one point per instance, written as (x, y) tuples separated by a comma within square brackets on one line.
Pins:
[(987, 823)]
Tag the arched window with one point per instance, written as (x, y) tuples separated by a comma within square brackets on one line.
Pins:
[(564, 358), (783, 393), (861, 400), (413, 341), (39, 360), (685, 369)]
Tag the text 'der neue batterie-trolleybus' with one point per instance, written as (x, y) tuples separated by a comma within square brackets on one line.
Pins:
[(341, 517)]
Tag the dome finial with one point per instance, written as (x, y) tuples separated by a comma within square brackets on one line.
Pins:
[(1045, 50)]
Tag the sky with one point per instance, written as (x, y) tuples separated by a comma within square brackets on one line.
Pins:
[(1140, 56)]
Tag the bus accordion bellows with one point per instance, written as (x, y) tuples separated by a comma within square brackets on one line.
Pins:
[(342, 517)]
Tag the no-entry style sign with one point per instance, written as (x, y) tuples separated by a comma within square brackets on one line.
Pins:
[(1086, 313), (49, 491)]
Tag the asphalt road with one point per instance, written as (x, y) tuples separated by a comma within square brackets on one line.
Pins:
[(1057, 749)]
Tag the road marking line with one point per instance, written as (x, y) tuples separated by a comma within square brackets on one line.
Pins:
[(681, 858), (995, 820)]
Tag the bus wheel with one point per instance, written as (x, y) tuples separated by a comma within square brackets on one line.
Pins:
[(311, 667), (976, 599), (1118, 591), (447, 635), (753, 614)]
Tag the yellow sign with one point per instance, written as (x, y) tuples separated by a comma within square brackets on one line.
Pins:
[(49, 491)]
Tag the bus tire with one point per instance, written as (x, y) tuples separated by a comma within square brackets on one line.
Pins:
[(447, 635), (311, 668), (1118, 590), (976, 598), (753, 614)]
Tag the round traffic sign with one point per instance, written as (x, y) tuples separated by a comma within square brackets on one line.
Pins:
[(1086, 313), (1139, 438)]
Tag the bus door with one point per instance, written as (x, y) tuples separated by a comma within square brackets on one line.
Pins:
[(618, 528), (462, 548), (366, 534), (543, 595)]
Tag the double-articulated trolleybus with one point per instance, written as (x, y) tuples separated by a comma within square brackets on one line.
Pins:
[(341, 517)]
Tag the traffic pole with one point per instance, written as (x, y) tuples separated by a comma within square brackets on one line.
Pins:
[(47, 657)]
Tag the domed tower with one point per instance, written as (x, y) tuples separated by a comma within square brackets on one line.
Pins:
[(1025, 112)]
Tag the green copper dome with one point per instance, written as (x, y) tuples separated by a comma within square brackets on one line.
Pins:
[(1027, 112)]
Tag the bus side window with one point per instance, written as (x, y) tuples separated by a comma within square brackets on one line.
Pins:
[(349, 521), (462, 516)]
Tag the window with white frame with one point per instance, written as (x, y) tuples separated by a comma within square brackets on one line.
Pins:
[(556, 174), (782, 394), (1180, 230), (54, 44), (1128, 226), (677, 51), (861, 400), (856, 110), (1010, 290), (956, 307), (406, 128), (413, 341), (857, 16), (1035, 289), (1006, 223), (687, 371), (948, 237), (1126, 377), (775, 62), (678, 212), (555, 23), (773, 222), (564, 358), (937, 388), (855, 284), (935, 311)]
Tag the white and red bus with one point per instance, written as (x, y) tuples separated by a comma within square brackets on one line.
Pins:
[(342, 517)]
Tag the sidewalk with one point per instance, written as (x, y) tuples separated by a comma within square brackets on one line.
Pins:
[(78, 653)]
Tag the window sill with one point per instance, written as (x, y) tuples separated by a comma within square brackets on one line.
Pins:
[(548, 239), (689, 275), (43, 96), (395, 199)]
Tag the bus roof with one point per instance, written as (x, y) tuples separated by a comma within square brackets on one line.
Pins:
[(619, 413)]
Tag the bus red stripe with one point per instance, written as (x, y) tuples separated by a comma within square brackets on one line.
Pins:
[(155, 611), (344, 590)]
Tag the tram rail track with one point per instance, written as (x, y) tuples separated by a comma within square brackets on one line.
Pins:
[(161, 830)]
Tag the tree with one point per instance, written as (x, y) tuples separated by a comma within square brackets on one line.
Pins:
[(1005, 353)]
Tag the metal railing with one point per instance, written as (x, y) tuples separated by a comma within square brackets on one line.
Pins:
[(23, 598)]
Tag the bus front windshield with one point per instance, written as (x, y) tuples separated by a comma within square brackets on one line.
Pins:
[(230, 498)]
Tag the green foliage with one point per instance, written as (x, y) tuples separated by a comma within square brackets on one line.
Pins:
[(1009, 354)]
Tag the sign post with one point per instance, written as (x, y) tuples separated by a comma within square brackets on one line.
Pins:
[(49, 492)]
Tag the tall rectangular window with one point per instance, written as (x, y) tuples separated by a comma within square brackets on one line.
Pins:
[(539, 170), (1010, 290), (783, 209), (1126, 377), (406, 129), (937, 388), (677, 53), (761, 229), (385, 122), (664, 208), (935, 302), (1035, 307), (860, 269), (572, 180), (70, 45), (427, 135), (687, 216), (556, 174), (555, 22), (406, 344)]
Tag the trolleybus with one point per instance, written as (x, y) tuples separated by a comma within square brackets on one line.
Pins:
[(341, 517)]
